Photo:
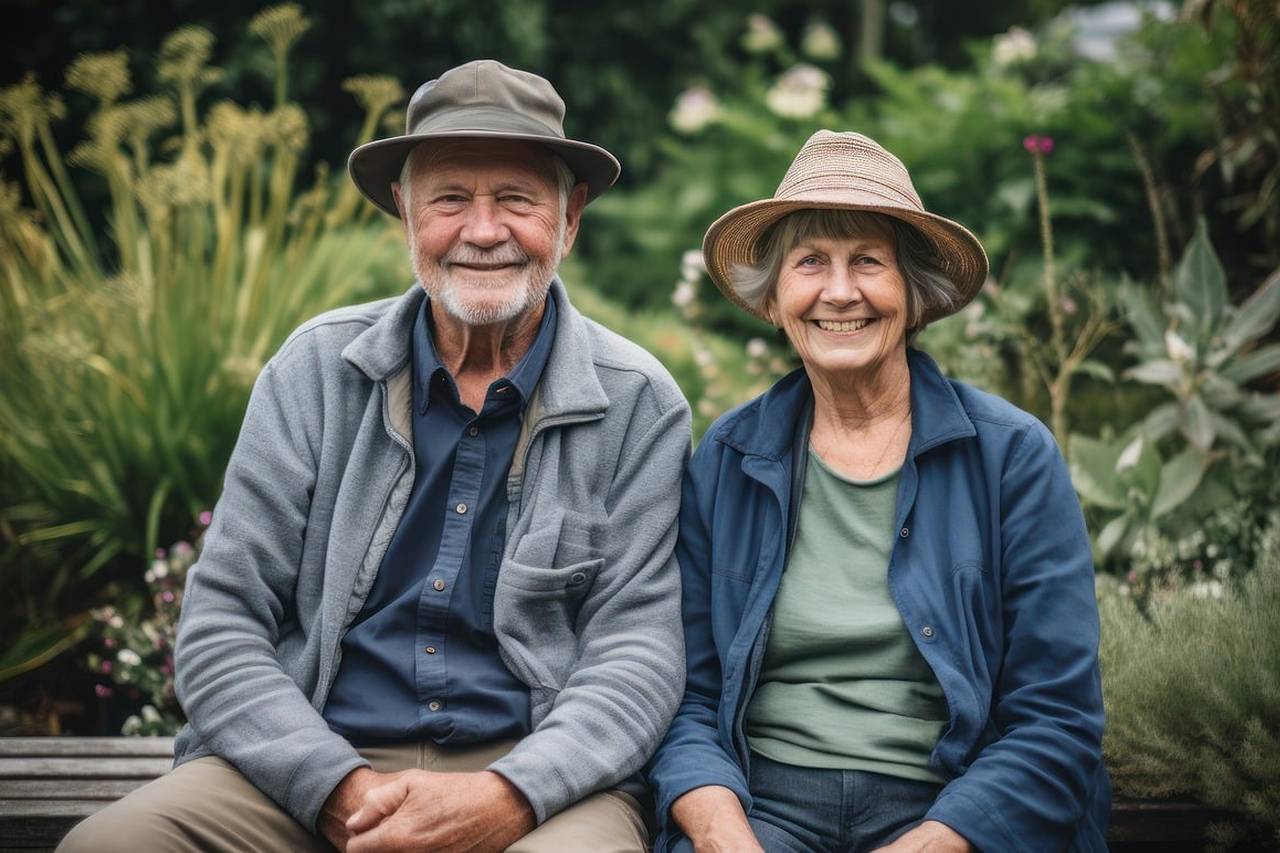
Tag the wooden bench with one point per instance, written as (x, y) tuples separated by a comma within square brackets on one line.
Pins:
[(47, 785)]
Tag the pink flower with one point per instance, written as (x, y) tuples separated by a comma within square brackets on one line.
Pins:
[(161, 553), (109, 642), (205, 518), (105, 667), (167, 596), (1038, 144), (102, 691)]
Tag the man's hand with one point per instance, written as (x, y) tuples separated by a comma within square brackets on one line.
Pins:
[(713, 819), (345, 800), (422, 810), (930, 837)]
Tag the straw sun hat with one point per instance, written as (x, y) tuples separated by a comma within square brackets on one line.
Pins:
[(843, 171)]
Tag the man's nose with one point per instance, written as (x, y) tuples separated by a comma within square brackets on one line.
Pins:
[(484, 226)]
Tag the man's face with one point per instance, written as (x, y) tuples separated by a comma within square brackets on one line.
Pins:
[(485, 226)]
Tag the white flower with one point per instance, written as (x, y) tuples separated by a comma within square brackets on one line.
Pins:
[(1017, 45), (692, 265), (683, 294), (694, 109), (1206, 589), (757, 348), (150, 714), (128, 657), (762, 35), (703, 357), (820, 41), (115, 622), (800, 92)]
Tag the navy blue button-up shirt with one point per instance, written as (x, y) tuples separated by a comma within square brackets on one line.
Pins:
[(421, 660)]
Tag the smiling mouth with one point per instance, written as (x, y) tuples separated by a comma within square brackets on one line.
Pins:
[(486, 267), (845, 326)]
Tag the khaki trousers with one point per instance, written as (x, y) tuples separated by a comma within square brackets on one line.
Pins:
[(206, 805)]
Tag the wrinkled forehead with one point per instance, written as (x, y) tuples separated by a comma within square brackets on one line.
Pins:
[(482, 161)]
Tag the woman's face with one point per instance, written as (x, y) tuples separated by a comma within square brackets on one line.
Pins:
[(842, 302)]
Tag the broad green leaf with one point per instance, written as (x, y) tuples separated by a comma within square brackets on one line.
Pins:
[(1143, 315), (1179, 478), (1139, 466), (1158, 371), (1197, 426), (1252, 365), (1162, 420), (1231, 431), (1112, 533), (1256, 316), (1093, 472), (1097, 370), (1201, 284)]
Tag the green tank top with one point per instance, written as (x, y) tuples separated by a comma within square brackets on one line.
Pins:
[(842, 685)]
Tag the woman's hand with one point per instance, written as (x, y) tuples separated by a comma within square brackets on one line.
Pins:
[(929, 837), (713, 819)]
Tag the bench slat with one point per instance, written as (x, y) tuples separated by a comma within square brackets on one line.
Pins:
[(79, 768), (68, 789), (87, 747)]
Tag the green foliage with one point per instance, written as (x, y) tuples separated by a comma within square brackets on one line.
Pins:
[(127, 362), (1192, 691), (1204, 351)]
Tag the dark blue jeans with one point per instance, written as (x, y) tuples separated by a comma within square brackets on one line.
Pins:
[(805, 809)]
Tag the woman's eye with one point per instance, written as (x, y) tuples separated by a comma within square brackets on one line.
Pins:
[(866, 260), (810, 261)]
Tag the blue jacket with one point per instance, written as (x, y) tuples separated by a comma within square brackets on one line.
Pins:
[(991, 572)]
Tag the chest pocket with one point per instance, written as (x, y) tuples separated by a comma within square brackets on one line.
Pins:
[(540, 592)]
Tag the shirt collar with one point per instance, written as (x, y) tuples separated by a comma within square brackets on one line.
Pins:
[(523, 377)]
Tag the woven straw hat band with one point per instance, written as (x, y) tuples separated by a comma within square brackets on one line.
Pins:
[(843, 171)]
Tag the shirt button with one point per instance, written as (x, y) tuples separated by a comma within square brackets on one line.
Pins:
[(431, 650), (473, 431), (460, 509), (927, 631), (433, 705), (438, 585), (904, 532)]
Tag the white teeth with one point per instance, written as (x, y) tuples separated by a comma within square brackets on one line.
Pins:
[(846, 326)]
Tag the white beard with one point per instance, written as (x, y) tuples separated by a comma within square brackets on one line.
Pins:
[(451, 295)]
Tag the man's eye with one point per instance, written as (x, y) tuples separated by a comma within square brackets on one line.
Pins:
[(515, 199)]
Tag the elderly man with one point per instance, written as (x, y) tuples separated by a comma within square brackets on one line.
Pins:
[(437, 607)]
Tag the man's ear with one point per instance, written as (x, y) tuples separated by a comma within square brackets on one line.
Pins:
[(395, 194), (573, 216)]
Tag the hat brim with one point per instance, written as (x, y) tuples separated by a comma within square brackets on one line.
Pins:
[(732, 241), (375, 165)]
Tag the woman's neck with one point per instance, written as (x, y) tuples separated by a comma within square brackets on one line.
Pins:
[(856, 402)]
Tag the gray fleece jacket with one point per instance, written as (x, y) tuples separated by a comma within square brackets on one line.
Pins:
[(587, 604)]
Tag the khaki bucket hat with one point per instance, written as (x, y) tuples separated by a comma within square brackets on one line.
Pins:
[(843, 171), (483, 99)]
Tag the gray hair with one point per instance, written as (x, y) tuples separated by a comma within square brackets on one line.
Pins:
[(420, 157), (928, 286)]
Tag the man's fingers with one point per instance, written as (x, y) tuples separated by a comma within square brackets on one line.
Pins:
[(378, 803)]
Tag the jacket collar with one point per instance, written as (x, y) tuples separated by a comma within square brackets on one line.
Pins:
[(768, 427), (569, 384)]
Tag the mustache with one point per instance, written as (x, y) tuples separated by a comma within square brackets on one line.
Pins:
[(506, 253)]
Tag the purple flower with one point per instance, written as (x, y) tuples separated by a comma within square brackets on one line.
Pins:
[(1035, 144), (102, 691), (205, 518)]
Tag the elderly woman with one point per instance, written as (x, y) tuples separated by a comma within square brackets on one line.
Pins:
[(888, 595)]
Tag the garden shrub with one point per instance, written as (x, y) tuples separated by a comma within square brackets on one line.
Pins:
[(1192, 690)]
